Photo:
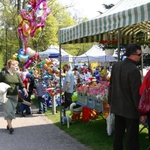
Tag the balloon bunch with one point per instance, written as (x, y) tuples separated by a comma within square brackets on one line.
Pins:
[(32, 19), (26, 59)]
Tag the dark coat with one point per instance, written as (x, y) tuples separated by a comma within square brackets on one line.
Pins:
[(124, 89)]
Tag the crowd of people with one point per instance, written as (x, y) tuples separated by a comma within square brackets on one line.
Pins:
[(123, 98)]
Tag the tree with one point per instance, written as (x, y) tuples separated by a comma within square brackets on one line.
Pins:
[(9, 34), (58, 18)]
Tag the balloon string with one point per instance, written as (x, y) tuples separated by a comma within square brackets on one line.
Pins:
[(25, 48)]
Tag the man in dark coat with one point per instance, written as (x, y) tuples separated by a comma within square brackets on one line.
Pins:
[(124, 98)]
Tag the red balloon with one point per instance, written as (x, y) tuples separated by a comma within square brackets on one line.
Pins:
[(28, 63)]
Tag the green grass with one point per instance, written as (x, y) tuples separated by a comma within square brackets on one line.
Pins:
[(93, 133)]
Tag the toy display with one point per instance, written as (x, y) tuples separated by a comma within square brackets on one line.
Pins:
[(91, 85)]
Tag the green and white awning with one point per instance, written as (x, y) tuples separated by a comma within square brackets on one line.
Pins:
[(127, 15)]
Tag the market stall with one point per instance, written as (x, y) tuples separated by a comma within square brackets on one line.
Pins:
[(124, 22), (131, 17)]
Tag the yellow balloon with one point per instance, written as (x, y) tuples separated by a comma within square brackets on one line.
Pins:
[(38, 70), (14, 57), (37, 31), (19, 19)]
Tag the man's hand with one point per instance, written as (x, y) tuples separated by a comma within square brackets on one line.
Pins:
[(25, 92), (143, 119)]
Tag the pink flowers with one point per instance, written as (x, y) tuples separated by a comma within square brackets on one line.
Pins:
[(100, 91), (82, 89)]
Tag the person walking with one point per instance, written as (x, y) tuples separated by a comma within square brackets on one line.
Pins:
[(123, 98), (10, 77), (68, 85)]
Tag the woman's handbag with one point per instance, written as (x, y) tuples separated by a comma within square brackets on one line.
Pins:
[(144, 103)]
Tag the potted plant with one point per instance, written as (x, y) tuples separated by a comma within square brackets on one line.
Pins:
[(109, 46), (145, 45)]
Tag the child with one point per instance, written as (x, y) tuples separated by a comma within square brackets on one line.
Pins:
[(41, 100)]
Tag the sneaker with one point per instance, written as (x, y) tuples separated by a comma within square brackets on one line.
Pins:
[(39, 112), (22, 114), (28, 113), (17, 112)]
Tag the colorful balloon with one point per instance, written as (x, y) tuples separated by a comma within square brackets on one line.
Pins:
[(20, 32), (28, 63), (14, 57), (21, 51), (28, 8), (26, 28), (32, 19), (74, 97), (43, 62), (30, 52), (23, 58), (45, 66)]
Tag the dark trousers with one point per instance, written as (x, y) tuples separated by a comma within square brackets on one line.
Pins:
[(42, 104), (24, 107), (132, 132), (29, 96), (148, 120), (68, 99)]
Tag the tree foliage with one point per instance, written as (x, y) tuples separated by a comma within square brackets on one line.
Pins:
[(58, 18)]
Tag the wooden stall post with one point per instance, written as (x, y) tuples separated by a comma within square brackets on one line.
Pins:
[(53, 105)]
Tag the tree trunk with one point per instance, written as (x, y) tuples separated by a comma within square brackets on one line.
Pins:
[(18, 11)]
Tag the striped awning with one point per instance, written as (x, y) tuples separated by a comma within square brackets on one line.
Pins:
[(131, 16)]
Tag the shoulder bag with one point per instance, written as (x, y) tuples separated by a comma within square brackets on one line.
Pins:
[(144, 103)]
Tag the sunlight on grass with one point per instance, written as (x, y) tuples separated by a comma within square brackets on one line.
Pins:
[(93, 133)]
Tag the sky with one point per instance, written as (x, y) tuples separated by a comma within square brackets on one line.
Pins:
[(87, 8)]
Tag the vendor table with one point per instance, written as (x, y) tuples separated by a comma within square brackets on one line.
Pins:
[(90, 102)]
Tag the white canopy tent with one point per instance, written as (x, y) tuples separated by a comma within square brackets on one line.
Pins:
[(54, 51), (94, 54)]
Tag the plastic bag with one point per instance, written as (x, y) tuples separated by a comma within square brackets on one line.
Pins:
[(110, 120), (3, 91), (3, 87)]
